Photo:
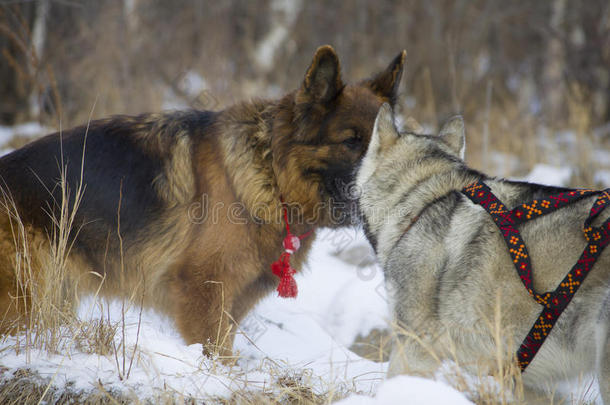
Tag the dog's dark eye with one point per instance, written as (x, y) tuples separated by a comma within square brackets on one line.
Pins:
[(354, 141)]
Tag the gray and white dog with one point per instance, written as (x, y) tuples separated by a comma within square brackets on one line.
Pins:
[(448, 269)]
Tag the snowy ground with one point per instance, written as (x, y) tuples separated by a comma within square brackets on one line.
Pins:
[(306, 337)]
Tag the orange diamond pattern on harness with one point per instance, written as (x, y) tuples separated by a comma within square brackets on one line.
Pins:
[(531, 209), (543, 299), (517, 254), (471, 189), (570, 284), (553, 302), (587, 231), (543, 326), (499, 210)]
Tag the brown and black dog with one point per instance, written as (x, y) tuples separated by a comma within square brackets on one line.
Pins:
[(188, 203)]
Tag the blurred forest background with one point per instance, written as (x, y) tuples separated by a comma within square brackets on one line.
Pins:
[(531, 77)]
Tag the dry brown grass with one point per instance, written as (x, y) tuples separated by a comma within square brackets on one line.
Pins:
[(45, 290), (27, 388), (126, 60), (504, 126)]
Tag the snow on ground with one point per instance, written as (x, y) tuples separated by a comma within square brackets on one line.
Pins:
[(306, 336), (409, 390)]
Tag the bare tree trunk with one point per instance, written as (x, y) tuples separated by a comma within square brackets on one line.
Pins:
[(130, 8), (553, 84), (284, 15), (130, 42), (38, 39), (602, 96)]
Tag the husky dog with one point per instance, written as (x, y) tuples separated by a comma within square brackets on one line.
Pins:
[(448, 269)]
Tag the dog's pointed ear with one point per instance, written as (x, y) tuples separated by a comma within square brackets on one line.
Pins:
[(453, 134), (384, 130), (322, 81), (386, 83)]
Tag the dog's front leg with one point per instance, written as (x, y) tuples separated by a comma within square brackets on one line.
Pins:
[(201, 300), (410, 357)]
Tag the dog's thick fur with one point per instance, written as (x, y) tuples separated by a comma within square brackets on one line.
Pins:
[(198, 194), (446, 263)]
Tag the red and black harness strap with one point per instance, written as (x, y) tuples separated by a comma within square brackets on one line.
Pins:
[(554, 302)]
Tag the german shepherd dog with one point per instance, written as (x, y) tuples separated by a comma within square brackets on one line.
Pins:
[(188, 204), (448, 269)]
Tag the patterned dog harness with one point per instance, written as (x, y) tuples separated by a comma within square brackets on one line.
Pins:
[(554, 302)]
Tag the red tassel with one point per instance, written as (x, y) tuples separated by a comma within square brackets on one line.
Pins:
[(281, 268), (278, 266), (288, 285)]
